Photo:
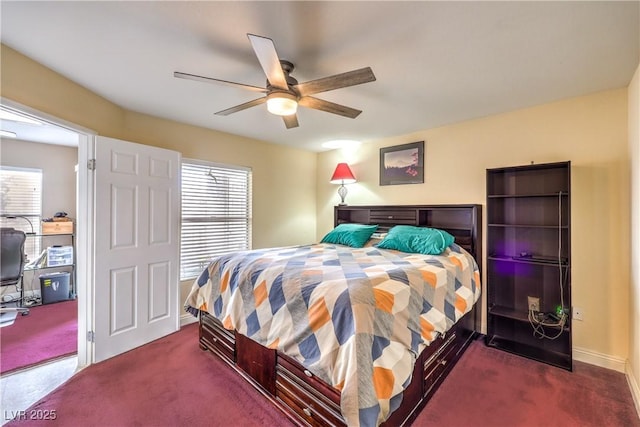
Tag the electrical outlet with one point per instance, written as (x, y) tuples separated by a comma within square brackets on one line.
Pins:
[(578, 313), (533, 303)]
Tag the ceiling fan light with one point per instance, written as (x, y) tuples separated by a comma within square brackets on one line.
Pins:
[(282, 104)]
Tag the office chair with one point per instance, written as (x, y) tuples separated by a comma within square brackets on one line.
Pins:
[(12, 265)]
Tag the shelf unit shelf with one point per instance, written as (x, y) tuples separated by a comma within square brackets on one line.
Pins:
[(526, 260), (71, 268), (555, 358), (529, 255), (515, 196), (554, 227), (49, 235), (509, 313), (521, 316)]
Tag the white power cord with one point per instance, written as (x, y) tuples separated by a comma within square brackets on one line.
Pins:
[(539, 324)]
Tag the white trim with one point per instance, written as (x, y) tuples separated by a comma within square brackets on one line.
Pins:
[(611, 362), (216, 164), (599, 359), (187, 319), (634, 387), (85, 248)]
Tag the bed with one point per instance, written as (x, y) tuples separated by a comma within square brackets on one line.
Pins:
[(342, 334)]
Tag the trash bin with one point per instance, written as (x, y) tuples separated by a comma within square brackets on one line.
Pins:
[(54, 287)]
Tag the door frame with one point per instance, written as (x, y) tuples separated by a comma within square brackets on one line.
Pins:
[(85, 230), (84, 225)]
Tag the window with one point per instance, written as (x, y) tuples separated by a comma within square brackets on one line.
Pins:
[(216, 213), (21, 203)]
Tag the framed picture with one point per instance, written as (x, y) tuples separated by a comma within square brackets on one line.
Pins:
[(402, 164)]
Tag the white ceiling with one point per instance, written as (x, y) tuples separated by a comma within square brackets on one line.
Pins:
[(45, 133), (436, 63)]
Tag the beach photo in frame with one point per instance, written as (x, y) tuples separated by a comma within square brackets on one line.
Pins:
[(402, 164)]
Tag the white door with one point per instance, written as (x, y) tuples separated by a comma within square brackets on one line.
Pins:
[(137, 245)]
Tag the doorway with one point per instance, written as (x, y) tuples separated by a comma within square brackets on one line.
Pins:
[(134, 195), (45, 129)]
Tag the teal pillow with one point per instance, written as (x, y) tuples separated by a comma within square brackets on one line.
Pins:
[(354, 235), (419, 240)]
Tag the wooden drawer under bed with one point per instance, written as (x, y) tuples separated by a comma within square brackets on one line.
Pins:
[(309, 401), (310, 398), (214, 337), (435, 365)]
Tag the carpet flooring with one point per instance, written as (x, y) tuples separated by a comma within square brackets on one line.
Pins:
[(48, 332), (489, 387), (171, 382)]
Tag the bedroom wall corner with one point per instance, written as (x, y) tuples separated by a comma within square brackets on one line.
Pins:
[(633, 364)]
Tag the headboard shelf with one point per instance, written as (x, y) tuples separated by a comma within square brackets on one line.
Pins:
[(464, 222)]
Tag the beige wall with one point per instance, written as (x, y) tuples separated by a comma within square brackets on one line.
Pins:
[(284, 211), (58, 171), (590, 131), (634, 297)]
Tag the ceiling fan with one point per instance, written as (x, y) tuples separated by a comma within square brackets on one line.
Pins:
[(283, 92)]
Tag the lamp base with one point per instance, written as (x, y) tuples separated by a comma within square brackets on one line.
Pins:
[(342, 192)]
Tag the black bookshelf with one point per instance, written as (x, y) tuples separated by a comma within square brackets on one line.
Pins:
[(529, 255)]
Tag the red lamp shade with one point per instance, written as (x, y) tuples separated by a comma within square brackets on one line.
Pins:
[(343, 175)]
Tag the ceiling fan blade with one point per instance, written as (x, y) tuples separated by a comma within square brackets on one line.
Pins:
[(290, 121), (350, 78), (212, 80), (329, 107), (269, 61), (242, 106)]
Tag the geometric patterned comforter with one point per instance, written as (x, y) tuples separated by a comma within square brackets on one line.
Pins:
[(357, 318)]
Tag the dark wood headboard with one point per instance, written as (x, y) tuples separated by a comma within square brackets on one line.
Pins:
[(464, 222)]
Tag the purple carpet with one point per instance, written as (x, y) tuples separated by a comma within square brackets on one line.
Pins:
[(171, 382), (489, 387), (48, 332)]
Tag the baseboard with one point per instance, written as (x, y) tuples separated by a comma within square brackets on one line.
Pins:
[(634, 387), (187, 319), (599, 359)]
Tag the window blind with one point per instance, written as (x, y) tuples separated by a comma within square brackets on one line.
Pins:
[(216, 213), (21, 196)]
